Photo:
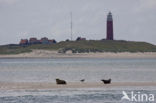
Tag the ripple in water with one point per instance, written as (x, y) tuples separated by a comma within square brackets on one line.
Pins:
[(66, 96)]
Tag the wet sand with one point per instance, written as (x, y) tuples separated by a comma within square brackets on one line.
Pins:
[(48, 85)]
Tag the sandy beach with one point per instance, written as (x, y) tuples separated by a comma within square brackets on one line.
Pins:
[(50, 85), (55, 54)]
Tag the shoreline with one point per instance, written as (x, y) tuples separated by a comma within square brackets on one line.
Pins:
[(55, 54), (50, 85)]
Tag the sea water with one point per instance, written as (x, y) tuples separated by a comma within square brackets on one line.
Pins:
[(73, 70)]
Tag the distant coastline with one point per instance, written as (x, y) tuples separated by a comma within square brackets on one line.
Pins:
[(80, 47)]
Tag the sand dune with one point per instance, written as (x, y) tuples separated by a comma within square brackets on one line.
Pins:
[(55, 54)]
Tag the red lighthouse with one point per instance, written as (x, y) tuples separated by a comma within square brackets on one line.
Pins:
[(109, 26)]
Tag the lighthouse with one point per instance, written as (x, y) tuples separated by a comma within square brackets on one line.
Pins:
[(109, 26)]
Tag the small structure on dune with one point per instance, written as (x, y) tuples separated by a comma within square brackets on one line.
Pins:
[(53, 41), (33, 40), (80, 38), (23, 42), (44, 40)]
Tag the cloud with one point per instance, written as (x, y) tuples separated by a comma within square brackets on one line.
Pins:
[(8, 1), (149, 4)]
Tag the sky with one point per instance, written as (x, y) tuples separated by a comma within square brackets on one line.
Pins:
[(134, 20)]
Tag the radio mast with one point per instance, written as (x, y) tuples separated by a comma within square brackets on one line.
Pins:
[(71, 27)]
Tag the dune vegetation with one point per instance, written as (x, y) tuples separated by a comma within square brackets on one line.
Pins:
[(83, 46)]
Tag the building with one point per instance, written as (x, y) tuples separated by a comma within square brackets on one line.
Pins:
[(109, 26), (34, 41), (24, 42), (53, 41), (80, 38), (44, 40)]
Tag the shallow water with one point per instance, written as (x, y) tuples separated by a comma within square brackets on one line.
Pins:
[(69, 96), (74, 69)]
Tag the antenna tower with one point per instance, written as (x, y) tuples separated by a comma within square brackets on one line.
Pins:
[(71, 27)]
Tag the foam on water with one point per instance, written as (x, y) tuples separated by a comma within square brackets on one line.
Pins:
[(96, 95)]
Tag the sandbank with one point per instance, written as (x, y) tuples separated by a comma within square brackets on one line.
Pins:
[(50, 85)]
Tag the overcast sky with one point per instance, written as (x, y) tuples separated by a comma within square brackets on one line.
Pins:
[(134, 20)]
